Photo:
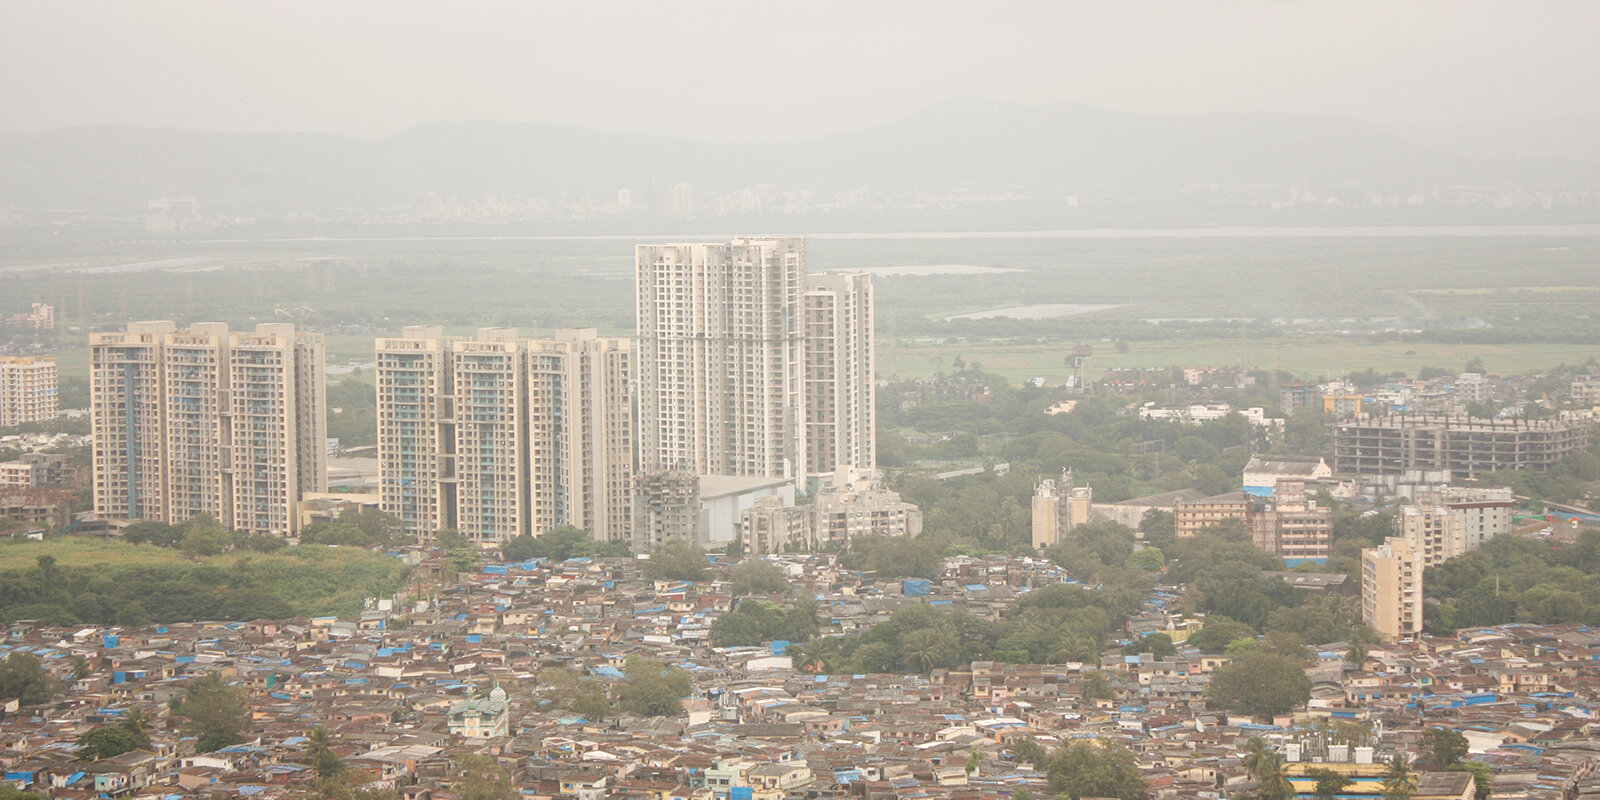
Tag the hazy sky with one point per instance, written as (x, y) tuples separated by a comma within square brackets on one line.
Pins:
[(767, 70)]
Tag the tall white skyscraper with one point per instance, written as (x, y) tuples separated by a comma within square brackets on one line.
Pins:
[(208, 421), (490, 423), (840, 387), (721, 350), (580, 435), (416, 418)]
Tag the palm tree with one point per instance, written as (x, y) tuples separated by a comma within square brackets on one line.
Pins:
[(1329, 783), (1256, 754), (1274, 786), (1399, 782), (922, 649), (818, 655), (319, 748), (1356, 654), (1077, 647), (135, 721)]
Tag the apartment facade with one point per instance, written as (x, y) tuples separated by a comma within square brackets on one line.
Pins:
[(497, 435), (721, 346), (28, 390), (1391, 589), (840, 374), (416, 429), (666, 508), (1058, 507), (208, 421), (580, 403), (1288, 525), (1454, 521), (488, 376), (1292, 526)]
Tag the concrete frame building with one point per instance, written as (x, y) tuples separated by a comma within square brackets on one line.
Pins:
[(497, 436), (666, 508), (721, 344), (208, 421), (1434, 532), (128, 432), (840, 374), (28, 390), (1391, 589), (1190, 518), (1466, 446)]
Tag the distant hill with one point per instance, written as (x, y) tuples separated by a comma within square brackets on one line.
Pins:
[(962, 145)]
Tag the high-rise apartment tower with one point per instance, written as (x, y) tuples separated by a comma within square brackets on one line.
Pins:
[(208, 421), (721, 348), (498, 436), (840, 389), (1391, 589), (28, 390)]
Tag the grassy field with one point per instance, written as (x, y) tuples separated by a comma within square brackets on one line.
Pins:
[(1323, 357), (309, 580), (1320, 356), (78, 553)]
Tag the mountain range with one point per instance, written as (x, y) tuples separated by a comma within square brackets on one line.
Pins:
[(960, 146)]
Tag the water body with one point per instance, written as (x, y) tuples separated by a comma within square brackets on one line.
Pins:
[(935, 269), (1209, 232), (1037, 311)]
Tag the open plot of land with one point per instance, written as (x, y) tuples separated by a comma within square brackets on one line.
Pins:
[(76, 552), (1338, 280), (1324, 357)]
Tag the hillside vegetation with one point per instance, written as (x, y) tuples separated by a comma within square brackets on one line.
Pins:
[(70, 580)]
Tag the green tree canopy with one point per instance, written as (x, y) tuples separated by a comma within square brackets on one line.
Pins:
[(106, 742), (559, 544), (1399, 781), (22, 678), (482, 778), (1096, 686), (1442, 748), (1088, 769), (1157, 644), (677, 561), (1328, 783), (756, 621), (568, 691), (758, 577), (1261, 684), (1218, 633), (203, 536), (214, 712), (319, 748), (651, 688)]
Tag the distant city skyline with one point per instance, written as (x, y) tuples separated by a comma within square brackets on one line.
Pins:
[(372, 70)]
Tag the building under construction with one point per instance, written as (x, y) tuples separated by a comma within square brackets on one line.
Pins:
[(1466, 446)]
